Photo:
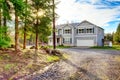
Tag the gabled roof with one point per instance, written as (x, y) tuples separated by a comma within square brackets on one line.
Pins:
[(85, 21), (76, 24), (67, 24)]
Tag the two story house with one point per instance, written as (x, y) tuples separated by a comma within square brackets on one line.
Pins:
[(78, 34)]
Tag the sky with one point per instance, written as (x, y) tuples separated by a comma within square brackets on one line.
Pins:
[(103, 13)]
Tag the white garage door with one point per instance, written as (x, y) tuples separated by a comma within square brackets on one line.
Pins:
[(85, 42)]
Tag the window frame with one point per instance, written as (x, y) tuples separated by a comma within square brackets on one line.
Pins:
[(59, 31), (67, 40), (67, 31)]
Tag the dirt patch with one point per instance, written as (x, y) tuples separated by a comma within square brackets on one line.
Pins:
[(16, 66)]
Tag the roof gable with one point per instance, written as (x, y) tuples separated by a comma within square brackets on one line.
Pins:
[(89, 23), (76, 24), (67, 25)]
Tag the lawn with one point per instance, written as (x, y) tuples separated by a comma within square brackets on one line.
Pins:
[(114, 47)]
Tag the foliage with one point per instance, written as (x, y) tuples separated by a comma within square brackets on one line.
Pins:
[(45, 29), (4, 39), (19, 6), (108, 37), (34, 16), (5, 7), (117, 35), (42, 19)]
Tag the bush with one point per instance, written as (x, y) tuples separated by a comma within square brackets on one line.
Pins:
[(4, 39), (4, 43)]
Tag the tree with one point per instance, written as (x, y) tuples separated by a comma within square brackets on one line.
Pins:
[(54, 37), (45, 28), (4, 16), (4, 39), (108, 37), (4, 12), (117, 35), (0, 13), (0, 18), (40, 8), (26, 21), (25, 26), (19, 7)]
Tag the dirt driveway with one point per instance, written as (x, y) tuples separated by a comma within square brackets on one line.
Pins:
[(85, 64)]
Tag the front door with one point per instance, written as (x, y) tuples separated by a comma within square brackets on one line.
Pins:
[(58, 41)]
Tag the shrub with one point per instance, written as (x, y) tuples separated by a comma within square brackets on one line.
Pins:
[(4, 39), (4, 43)]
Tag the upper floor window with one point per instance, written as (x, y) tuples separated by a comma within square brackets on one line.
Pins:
[(90, 30), (67, 31), (80, 31), (59, 31), (86, 30)]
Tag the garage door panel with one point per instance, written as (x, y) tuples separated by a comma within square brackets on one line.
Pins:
[(85, 42)]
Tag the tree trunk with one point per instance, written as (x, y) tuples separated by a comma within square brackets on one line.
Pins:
[(36, 44), (4, 21), (0, 18), (5, 24), (24, 43), (37, 34), (16, 31), (54, 37), (37, 24)]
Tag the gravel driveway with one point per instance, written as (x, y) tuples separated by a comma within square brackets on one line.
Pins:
[(84, 64)]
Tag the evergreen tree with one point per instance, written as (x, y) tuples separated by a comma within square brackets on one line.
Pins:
[(117, 35), (0, 18), (40, 6), (19, 7)]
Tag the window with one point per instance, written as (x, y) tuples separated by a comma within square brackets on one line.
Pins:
[(90, 30), (80, 31), (67, 31), (87, 30), (59, 31), (67, 40)]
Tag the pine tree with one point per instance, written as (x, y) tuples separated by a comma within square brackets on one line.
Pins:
[(40, 6), (19, 7), (117, 35)]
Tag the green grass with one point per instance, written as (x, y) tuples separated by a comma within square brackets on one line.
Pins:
[(114, 47), (9, 66), (52, 58)]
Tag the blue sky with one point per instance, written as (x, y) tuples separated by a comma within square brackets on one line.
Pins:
[(104, 13)]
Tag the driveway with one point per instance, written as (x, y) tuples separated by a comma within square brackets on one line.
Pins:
[(84, 64)]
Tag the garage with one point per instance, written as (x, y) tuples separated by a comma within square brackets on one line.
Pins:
[(85, 42)]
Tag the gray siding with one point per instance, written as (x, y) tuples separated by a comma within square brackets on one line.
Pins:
[(97, 36)]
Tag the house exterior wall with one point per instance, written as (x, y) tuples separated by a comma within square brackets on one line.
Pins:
[(100, 37), (97, 35)]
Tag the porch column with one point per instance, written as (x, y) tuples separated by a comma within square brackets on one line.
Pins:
[(73, 37)]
